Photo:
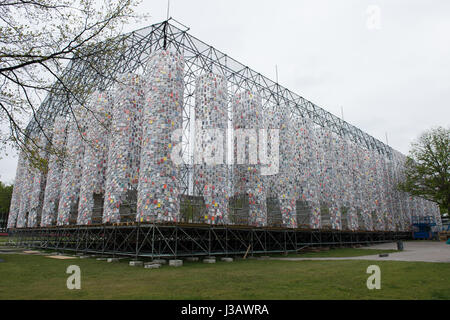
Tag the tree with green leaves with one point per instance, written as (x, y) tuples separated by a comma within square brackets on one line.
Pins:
[(39, 41), (427, 168), (5, 198)]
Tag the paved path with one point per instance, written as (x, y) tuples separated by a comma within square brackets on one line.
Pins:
[(422, 251)]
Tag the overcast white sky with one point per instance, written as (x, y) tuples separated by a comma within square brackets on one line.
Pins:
[(389, 75)]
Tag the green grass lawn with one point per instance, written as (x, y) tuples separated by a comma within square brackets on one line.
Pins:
[(38, 277), (3, 239), (337, 253)]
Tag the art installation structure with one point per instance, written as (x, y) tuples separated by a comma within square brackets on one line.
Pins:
[(158, 190), (329, 202), (95, 156), (342, 176), (354, 186), (269, 159), (38, 187), (247, 119), (124, 162), (210, 157), (308, 167), (54, 174), (123, 157), (26, 190), (71, 177), (286, 180), (17, 191)]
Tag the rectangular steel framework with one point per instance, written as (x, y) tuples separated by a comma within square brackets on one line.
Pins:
[(175, 240), (184, 240)]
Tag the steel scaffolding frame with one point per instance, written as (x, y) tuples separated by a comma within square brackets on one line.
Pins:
[(184, 240), (198, 58)]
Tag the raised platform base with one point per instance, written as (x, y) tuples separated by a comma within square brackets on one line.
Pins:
[(178, 240)]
